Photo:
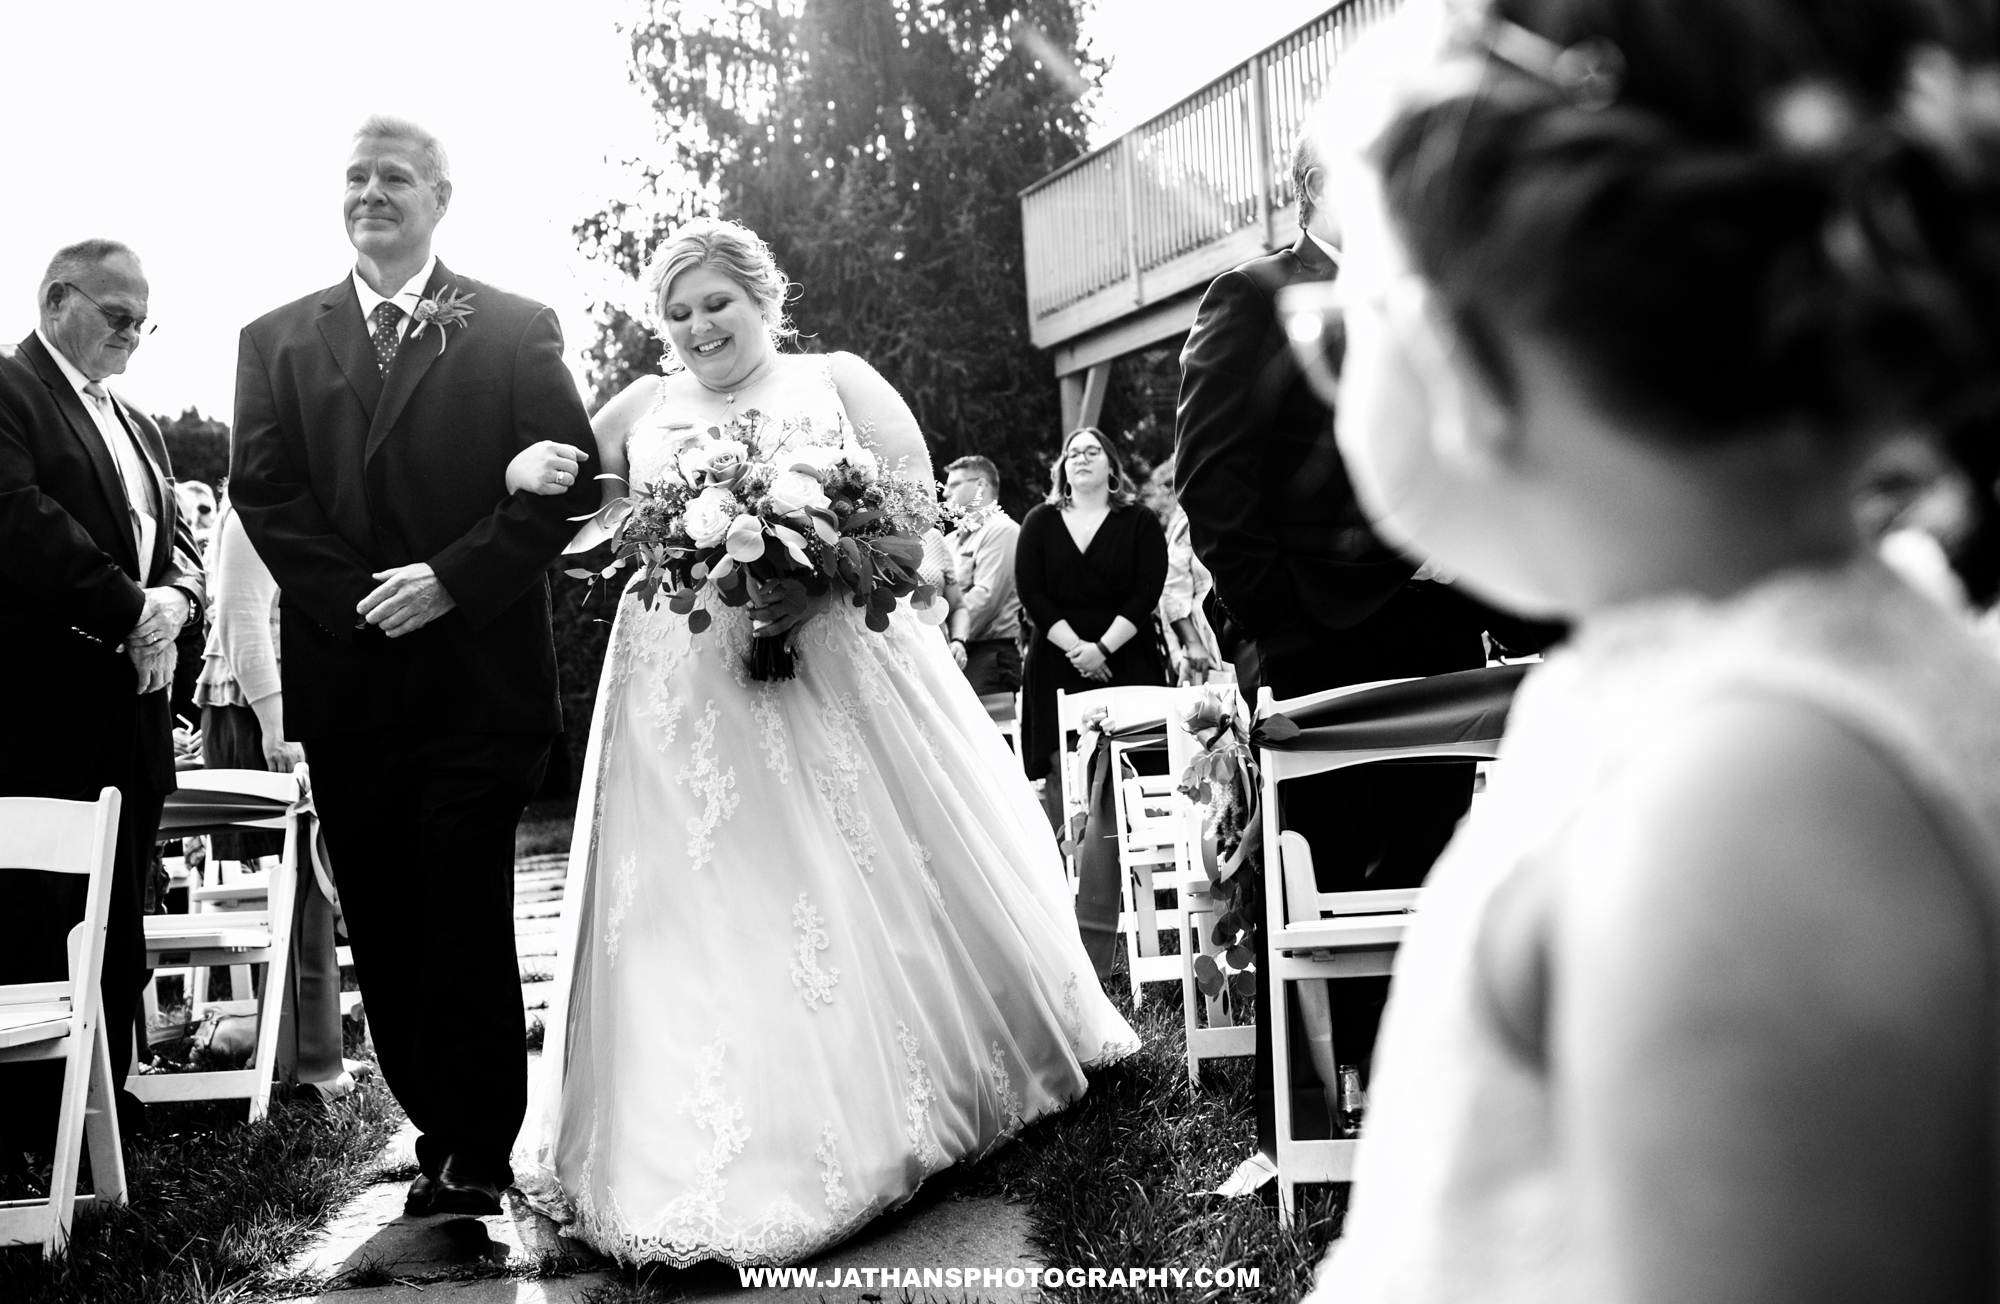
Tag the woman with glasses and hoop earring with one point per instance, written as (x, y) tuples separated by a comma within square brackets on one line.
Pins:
[(1090, 566)]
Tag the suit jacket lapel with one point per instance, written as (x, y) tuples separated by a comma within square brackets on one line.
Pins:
[(154, 454), (84, 427), (413, 360), (340, 325)]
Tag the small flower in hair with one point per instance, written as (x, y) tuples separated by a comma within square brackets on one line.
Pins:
[(1591, 72), (1814, 119), (1953, 110), (447, 308)]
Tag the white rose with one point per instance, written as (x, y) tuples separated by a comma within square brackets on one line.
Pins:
[(692, 458), (708, 516), (794, 491), (724, 460), (866, 468)]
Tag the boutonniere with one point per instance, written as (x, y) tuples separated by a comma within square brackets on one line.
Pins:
[(448, 308)]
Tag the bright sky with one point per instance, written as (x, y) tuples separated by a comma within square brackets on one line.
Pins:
[(210, 136)]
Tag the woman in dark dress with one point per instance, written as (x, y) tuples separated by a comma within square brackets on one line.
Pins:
[(1089, 566)]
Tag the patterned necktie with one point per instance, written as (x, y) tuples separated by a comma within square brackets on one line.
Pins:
[(387, 315)]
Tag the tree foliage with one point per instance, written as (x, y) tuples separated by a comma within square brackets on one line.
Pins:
[(197, 447), (880, 147)]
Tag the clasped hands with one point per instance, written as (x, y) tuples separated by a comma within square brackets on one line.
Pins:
[(407, 599), (1090, 661), (150, 645)]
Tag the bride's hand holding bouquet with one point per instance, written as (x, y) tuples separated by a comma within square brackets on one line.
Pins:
[(777, 533)]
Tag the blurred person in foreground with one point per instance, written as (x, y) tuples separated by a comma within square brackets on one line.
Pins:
[(986, 625), (1701, 1003), (1182, 603), (99, 576)]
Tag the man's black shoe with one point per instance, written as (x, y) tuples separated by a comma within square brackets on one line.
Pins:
[(423, 1195), (462, 1189)]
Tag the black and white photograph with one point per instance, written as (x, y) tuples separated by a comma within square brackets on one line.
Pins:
[(944, 651)]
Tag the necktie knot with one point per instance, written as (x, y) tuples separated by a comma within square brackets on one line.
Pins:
[(96, 390), (387, 317)]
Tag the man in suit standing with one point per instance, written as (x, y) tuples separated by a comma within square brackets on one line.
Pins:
[(374, 423), (1306, 597), (98, 576)]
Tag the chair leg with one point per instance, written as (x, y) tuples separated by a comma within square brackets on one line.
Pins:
[(100, 1129), (1281, 1094), (1190, 928), (69, 1135)]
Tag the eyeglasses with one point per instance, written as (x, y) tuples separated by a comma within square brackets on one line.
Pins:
[(116, 318), (1084, 452)]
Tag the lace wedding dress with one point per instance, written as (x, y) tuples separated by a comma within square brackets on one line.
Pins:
[(818, 941)]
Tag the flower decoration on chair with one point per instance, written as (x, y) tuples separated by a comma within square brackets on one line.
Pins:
[(786, 528), (446, 308), (1223, 781)]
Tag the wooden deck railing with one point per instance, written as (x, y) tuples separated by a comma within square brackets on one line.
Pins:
[(1164, 208)]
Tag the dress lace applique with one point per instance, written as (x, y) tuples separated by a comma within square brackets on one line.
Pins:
[(1072, 1012), (922, 855), (1003, 1091), (623, 883), (712, 783), (920, 1101), (814, 982), (838, 1203), (839, 779), (723, 1120), (771, 731), (930, 740)]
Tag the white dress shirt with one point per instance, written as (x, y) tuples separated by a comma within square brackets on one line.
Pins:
[(406, 298), (1325, 248), (136, 471)]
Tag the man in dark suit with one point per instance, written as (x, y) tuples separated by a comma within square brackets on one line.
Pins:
[(374, 424), (1306, 597), (98, 576)]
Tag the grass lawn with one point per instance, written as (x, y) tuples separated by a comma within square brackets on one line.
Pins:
[(218, 1207)]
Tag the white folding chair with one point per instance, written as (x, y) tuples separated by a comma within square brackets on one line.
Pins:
[(64, 1020), (1211, 1024), (1312, 935), (229, 930)]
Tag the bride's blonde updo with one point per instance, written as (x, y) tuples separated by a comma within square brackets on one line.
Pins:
[(732, 249)]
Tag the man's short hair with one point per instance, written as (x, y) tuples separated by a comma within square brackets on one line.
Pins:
[(431, 158), (1305, 157), (979, 466), (72, 261)]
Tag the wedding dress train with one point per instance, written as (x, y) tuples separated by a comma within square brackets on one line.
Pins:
[(819, 942)]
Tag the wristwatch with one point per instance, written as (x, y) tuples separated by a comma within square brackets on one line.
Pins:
[(1102, 650)]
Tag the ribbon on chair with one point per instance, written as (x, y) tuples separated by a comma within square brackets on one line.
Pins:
[(1097, 865), (1464, 706), (191, 812)]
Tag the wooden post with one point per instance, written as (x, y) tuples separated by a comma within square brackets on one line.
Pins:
[(1260, 144), (1125, 166), (1095, 382), (1072, 400)]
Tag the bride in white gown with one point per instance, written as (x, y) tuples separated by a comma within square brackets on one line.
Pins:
[(818, 945)]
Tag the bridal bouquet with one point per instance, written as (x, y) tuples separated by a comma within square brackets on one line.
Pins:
[(782, 528)]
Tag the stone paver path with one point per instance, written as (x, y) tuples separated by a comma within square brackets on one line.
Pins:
[(372, 1254)]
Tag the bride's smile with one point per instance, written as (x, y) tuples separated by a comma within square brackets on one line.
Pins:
[(717, 329)]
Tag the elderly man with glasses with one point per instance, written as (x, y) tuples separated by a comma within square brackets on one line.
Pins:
[(99, 576)]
